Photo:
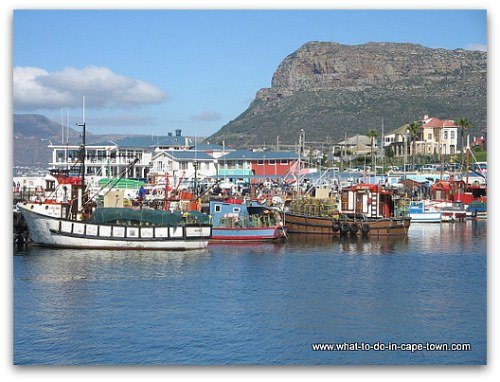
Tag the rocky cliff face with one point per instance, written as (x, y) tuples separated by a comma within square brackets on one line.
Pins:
[(329, 89)]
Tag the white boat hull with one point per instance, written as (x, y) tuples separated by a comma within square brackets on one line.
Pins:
[(427, 217), (56, 232)]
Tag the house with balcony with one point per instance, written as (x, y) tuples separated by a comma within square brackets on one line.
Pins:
[(435, 136), (438, 136), (104, 159), (112, 158), (399, 140)]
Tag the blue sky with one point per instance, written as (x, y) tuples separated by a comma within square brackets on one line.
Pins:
[(150, 72)]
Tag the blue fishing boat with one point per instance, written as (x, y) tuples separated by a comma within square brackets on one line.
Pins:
[(237, 221), (419, 214), (477, 210)]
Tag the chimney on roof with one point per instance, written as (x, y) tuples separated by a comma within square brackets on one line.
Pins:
[(426, 116), (178, 132), (169, 134)]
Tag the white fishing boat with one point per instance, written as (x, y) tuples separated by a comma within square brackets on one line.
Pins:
[(74, 222), (420, 214), (117, 228)]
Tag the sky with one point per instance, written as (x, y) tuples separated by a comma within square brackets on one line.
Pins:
[(151, 72)]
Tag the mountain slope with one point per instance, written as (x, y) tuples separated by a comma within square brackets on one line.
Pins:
[(329, 89)]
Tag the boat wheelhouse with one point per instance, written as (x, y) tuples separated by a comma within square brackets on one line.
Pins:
[(239, 221), (365, 209), (419, 214)]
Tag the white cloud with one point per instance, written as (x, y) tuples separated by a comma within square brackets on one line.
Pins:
[(207, 116), (35, 88), (480, 47)]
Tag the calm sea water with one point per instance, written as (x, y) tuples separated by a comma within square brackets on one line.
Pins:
[(256, 304)]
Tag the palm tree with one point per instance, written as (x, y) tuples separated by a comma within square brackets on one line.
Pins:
[(413, 129), (372, 134), (464, 124)]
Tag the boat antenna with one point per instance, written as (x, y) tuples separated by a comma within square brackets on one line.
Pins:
[(195, 164), (62, 126)]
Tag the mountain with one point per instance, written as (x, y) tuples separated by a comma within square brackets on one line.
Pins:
[(34, 132), (329, 89)]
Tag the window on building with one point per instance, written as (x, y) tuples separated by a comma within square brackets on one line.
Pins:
[(260, 162), (183, 165), (283, 161), (445, 134), (272, 161), (429, 137), (217, 208), (452, 135)]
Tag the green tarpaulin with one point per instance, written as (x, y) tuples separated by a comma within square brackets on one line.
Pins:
[(146, 216)]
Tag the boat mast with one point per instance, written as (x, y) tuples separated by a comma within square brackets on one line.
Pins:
[(467, 164), (83, 154)]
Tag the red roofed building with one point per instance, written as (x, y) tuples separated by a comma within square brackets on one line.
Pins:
[(434, 134), (437, 134)]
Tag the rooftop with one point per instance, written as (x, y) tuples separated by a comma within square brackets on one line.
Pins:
[(148, 141), (187, 155), (357, 140), (211, 147), (439, 123)]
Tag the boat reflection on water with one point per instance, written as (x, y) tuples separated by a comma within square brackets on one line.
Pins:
[(245, 248), (63, 265), (351, 245)]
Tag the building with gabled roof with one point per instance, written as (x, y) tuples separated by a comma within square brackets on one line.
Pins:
[(435, 136), (357, 144), (439, 136), (183, 165)]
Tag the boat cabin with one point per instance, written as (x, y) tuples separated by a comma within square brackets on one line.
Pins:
[(236, 213), (449, 190), (370, 200)]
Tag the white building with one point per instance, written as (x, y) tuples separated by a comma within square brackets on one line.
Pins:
[(181, 165), (110, 159), (434, 136), (107, 160)]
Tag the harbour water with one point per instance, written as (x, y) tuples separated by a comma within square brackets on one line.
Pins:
[(260, 304)]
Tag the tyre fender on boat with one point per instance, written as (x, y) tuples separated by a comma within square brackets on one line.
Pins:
[(344, 228), (354, 228), (17, 219), (335, 226), (365, 228)]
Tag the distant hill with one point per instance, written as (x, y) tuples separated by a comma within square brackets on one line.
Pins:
[(38, 126), (328, 89), (34, 132)]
